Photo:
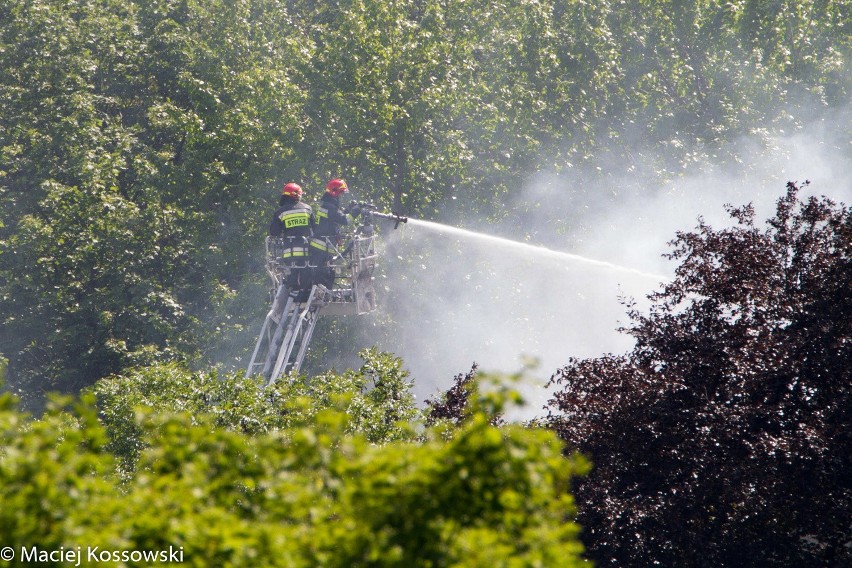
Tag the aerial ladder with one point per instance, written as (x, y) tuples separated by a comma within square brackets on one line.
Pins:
[(289, 325)]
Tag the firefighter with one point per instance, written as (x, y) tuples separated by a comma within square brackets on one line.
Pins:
[(294, 223), (327, 240)]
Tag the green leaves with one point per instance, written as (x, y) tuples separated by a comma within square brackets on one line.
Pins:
[(131, 140), (376, 400), (141, 142), (71, 296), (304, 487)]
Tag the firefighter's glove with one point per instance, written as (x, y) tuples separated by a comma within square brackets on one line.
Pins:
[(355, 210)]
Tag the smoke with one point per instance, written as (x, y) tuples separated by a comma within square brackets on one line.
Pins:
[(465, 300), (455, 298)]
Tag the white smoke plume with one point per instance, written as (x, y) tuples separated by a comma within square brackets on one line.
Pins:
[(457, 298)]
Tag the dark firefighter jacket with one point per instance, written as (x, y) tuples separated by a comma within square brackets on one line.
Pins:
[(329, 219), (293, 220)]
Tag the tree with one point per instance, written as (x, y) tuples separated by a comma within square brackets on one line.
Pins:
[(453, 405), (138, 140), (141, 142), (724, 437), (382, 83)]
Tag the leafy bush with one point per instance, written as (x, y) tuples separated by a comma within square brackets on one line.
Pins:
[(376, 398), (309, 494)]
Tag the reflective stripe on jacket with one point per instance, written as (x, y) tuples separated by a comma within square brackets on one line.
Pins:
[(328, 219), (294, 252), (295, 218), (292, 219)]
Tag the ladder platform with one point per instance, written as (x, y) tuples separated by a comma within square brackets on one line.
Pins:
[(289, 325)]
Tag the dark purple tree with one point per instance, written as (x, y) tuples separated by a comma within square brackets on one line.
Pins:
[(452, 405), (723, 437)]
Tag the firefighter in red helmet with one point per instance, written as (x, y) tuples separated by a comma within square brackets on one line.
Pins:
[(329, 219), (293, 222)]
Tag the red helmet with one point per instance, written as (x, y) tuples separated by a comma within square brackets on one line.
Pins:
[(292, 190), (335, 187)]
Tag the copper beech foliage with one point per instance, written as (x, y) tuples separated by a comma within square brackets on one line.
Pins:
[(454, 403), (723, 437)]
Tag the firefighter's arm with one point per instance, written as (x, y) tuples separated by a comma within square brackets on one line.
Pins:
[(275, 227), (340, 216)]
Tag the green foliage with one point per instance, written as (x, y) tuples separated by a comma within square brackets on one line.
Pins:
[(376, 399), (136, 141), (141, 142), (310, 494), (47, 468)]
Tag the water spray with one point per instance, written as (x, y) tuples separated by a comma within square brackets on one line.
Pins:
[(534, 249), (525, 247)]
